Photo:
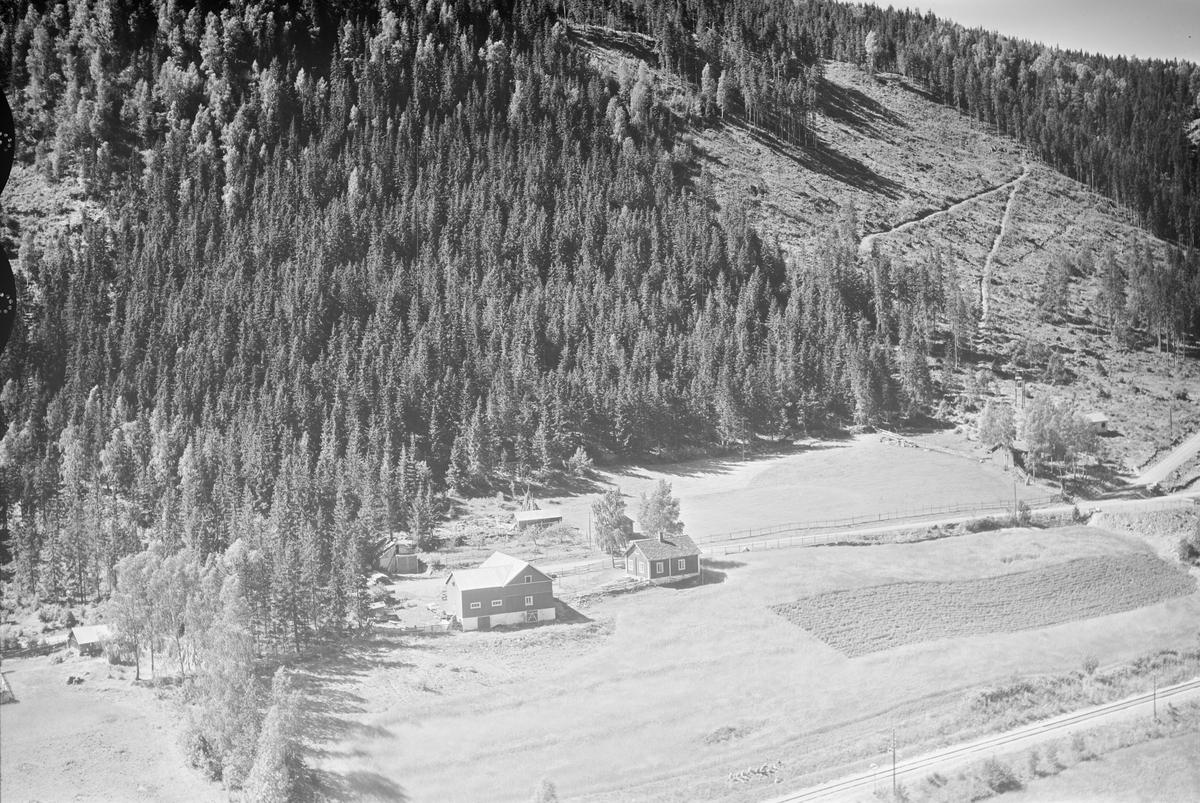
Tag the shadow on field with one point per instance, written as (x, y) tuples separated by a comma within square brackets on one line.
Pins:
[(326, 681), (354, 786), (568, 615)]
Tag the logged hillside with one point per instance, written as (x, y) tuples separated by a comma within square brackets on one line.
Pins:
[(925, 183)]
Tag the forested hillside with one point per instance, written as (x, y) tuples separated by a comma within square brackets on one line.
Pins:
[(350, 256)]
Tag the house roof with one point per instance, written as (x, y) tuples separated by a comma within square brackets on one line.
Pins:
[(537, 515), (672, 546), (498, 570), (90, 634), (1096, 418)]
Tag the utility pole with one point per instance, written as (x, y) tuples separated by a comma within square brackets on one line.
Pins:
[(1156, 698), (893, 763)]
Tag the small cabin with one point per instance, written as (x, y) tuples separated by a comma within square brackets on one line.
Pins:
[(536, 518), (88, 639), (667, 558), (1098, 422)]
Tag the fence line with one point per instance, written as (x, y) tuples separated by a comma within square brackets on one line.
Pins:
[(827, 524)]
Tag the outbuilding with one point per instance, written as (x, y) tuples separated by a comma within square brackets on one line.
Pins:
[(668, 557), (399, 556), (503, 590), (536, 518), (1098, 421), (88, 639)]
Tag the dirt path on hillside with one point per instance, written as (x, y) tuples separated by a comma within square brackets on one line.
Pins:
[(985, 279), (1176, 458), (864, 245)]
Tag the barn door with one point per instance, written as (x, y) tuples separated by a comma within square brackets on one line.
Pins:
[(485, 623)]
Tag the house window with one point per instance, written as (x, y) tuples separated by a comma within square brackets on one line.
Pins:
[(529, 578), (658, 567), (682, 564), (496, 603), (641, 567), (529, 600), (474, 606)]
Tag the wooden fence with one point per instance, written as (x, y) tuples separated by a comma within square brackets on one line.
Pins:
[(997, 505)]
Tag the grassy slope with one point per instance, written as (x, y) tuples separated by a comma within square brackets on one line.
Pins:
[(1161, 771), (632, 706), (104, 740)]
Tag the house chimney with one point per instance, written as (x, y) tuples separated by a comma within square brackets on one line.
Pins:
[(662, 539)]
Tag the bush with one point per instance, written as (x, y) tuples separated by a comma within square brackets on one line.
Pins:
[(999, 777), (985, 524), (1022, 516), (1090, 663), (200, 752)]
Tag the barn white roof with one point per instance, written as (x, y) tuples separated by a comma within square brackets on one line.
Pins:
[(498, 570)]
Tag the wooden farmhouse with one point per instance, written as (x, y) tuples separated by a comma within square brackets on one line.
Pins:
[(503, 591), (536, 518), (88, 639), (668, 557)]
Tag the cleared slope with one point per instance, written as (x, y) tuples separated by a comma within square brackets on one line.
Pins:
[(898, 157)]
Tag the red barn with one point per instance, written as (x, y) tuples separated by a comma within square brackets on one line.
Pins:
[(503, 591)]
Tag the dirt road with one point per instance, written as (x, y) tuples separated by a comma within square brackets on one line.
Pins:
[(1178, 456)]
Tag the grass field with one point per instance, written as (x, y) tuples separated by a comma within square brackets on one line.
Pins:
[(821, 480), (1160, 771), (860, 621), (675, 694), (102, 740)]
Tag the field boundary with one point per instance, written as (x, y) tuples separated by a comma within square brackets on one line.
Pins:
[(998, 505)]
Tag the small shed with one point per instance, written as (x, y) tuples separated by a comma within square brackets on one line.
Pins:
[(399, 556), (668, 557), (88, 639), (536, 518), (1098, 421)]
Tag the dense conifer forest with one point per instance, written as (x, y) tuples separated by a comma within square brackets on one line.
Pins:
[(351, 256)]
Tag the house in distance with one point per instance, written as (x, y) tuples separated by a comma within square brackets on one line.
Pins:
[(536, 518), (503, 590), (668, 557)]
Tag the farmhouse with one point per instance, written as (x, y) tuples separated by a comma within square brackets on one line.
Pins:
[(673, 557), (503, 591), (88, 639), (536, 518), (399, 556)]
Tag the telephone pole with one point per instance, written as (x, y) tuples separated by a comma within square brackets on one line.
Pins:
[(893, 763)]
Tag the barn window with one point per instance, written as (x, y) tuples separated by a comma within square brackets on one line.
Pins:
[(658, 567), (496, 603), (529, 600), (682, 564), (529, 578), (474, 605)]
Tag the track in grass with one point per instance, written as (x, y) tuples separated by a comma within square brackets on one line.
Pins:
[(866, 620)]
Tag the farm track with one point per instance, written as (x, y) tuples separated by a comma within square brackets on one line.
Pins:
[(990, 744), (864, 244), (985, 279), (1176, 458)]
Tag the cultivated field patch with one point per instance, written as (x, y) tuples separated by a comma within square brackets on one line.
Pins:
[(861, 621)]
